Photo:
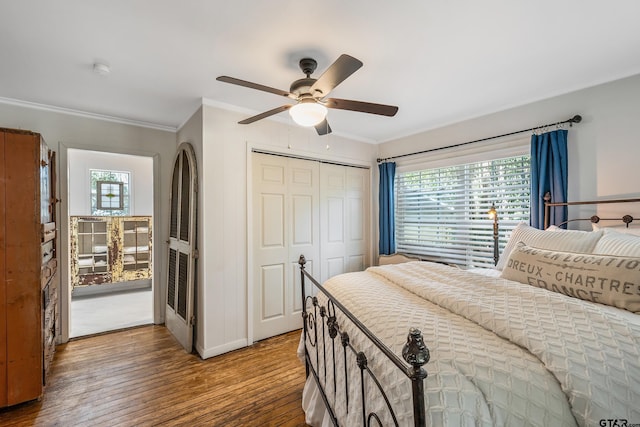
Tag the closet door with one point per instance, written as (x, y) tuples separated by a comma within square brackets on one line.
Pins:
[(182, 247), (344, 219), (285, 225)]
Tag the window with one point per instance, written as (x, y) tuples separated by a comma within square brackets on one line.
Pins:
[(109, 193), (441, 213)]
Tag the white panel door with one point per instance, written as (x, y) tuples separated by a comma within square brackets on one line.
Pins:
[(344, 219), (285, 225), (304, 193)]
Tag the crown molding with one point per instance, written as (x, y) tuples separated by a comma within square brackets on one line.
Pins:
[(85, 114)]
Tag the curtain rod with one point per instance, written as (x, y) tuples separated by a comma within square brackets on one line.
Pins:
[(575, 119)]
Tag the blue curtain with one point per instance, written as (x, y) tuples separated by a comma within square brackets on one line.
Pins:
[(548, 173), (386, 201)]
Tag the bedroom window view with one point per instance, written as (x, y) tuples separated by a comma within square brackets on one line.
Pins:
[(441, 213)]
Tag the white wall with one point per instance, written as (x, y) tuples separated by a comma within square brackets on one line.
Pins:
[(140, 170), (223, 148), (64, 131), (603, 149)]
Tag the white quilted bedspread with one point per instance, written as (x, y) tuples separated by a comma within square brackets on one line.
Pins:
[(502, 353)]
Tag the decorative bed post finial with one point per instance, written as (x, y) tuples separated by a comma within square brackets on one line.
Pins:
[(416, 353), (302, 261)]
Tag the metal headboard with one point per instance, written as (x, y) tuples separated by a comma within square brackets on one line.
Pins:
[(626, 219)]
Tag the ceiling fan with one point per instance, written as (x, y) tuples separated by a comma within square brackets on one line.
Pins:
[(310, 95)]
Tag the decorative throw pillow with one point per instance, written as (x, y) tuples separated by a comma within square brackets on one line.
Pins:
[(615, 243), (567, 240), (606, 279)]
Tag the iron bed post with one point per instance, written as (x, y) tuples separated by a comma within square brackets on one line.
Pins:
[(302, 261), (547, 209), (416, 353)]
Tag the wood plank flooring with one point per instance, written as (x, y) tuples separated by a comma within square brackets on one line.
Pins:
[(142, 377)]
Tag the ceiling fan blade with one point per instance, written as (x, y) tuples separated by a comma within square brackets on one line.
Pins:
[(265, 114), (337, 72), (363, 107), (257, 86), (323, 128)]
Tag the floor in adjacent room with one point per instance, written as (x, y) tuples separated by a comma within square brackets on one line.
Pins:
[(94, 314)]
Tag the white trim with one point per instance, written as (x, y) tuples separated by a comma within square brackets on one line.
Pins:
[(224, 348), (78, 113), (229, 107), (249, 255)]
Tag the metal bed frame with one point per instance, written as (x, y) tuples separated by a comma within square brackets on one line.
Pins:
[(548, 204), (320, 321)]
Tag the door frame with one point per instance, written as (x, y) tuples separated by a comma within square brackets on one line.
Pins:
[(64, 248), (304, 155)]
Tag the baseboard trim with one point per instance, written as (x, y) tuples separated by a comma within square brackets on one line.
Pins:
[(224, 348)]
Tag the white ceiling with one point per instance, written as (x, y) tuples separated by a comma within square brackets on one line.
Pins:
[(439, 61)]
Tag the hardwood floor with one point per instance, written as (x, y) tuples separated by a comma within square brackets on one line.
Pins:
[(142, 377)]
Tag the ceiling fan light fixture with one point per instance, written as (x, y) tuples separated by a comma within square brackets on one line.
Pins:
[(308, 113)]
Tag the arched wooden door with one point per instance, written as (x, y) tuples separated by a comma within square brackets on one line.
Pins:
[(182, 254)]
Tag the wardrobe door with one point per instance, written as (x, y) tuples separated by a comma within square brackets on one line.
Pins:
[(23, 259)]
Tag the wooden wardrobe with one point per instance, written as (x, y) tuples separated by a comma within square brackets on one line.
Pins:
[(28, 265)]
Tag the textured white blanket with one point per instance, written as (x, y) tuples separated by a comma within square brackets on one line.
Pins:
[(502, 353)]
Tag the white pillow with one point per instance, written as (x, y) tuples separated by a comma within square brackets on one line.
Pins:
[(620, 244), (567, 241), (632, 229)]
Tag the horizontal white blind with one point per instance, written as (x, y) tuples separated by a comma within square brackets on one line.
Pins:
[(441, 214)]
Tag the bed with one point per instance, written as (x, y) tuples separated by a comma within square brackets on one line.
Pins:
[(553, 339)]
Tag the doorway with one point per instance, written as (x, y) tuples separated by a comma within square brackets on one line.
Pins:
[(110, 216)]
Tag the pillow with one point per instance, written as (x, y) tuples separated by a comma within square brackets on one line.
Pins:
[(567, 240), (614, 243), (606, 279), (632, 229)]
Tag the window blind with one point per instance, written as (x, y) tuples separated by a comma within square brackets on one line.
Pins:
[(441, 213)]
